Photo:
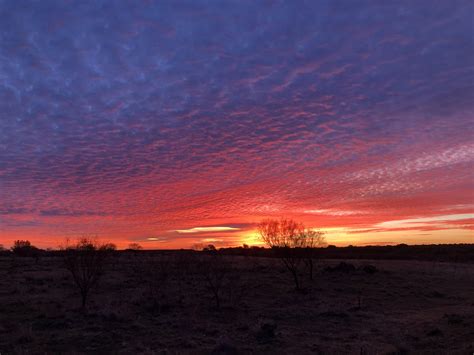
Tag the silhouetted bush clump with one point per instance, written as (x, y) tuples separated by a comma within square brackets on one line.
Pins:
[(266, 332), (292, 243), (341, 267), (85, 261), (155, 271), (24, 248), (369, 269), (215, 270)]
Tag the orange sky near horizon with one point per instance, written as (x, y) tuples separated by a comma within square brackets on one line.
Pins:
[(172, 125), (445, 229)]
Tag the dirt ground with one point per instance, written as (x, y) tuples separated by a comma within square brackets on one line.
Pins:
[(404, 307)]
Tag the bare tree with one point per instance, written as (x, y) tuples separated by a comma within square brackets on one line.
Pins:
[(290, 239), (155, 272), (184, 271), (85, 261), (215, 270), (134, 247), (24, 248), (314, 240), (109, 247)]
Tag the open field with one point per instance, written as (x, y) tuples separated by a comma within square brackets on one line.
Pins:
[(403, 307)]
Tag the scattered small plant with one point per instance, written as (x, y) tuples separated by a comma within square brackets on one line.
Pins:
[(266, 332), (341, 267), (183, 272), (155, 272), (369, 269), (215, 270)]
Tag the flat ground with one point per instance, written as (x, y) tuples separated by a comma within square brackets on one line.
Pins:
[(404, 307)]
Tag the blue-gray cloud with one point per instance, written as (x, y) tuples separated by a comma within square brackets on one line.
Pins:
[(167, 113)]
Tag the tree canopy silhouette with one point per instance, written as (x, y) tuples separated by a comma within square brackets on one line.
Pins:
[(292, 242)]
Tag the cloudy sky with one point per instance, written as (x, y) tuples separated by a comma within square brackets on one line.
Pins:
[(171, 123)]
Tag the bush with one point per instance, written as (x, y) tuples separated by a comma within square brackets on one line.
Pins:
[(4, 251), (341, 267), (155, 272), (24, 248), (85, 261), (215, 270), (134, 247), (292, 243), (369, 269), (183, 271)]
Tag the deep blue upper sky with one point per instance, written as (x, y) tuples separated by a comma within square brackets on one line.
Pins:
[(141, 117)]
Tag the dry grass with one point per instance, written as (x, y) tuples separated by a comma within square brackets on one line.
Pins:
[(406, 306)]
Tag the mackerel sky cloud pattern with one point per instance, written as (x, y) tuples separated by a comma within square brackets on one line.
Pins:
[(134, 120)]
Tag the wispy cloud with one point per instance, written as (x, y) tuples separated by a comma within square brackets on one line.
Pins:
[(423, 221), (208, 229), (331, 212)]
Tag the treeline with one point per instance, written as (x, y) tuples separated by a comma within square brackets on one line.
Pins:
[(431, 252)]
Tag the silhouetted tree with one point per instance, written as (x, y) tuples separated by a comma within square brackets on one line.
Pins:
[(210, 247), (24, 248), (155, 272), (314, 240), (215, 270), (184, 270), (289, 239), (85, 261), (109, 247), (3, 250), (134, 246)]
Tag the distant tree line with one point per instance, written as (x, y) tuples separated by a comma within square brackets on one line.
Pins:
[(431, 252)]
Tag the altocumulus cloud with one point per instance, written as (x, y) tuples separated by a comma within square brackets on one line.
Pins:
[(139, 118)]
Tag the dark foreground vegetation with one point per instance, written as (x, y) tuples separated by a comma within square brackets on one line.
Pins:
[(89, 298), (455, 253), (462, 253)]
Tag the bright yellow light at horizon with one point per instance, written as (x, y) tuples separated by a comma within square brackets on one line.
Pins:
[(250, 237)]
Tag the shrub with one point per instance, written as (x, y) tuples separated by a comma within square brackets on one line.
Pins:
[(369, 269), (109, 247), (266, 332), (3, 250), (24, 248), (134, 247), (155, 272), (313, 241), (183, 272), (215, 270), (341, 267), (85, 261), (292, 243)]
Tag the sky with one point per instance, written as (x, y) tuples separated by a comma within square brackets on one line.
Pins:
[(176, 123)]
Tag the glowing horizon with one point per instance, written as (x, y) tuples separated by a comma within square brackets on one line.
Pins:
[(171, 125)]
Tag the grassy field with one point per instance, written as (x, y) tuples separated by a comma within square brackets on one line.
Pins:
[(153, 303)]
